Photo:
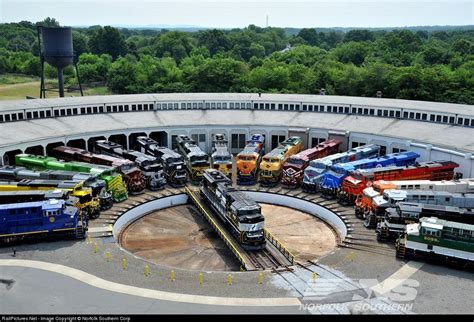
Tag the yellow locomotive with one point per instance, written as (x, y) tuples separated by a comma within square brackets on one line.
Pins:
[(271, 167)]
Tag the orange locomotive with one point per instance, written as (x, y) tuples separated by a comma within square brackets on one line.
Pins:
[(249, 159)]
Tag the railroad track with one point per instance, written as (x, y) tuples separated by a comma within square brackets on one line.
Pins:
[(358, 238), (264, 259)]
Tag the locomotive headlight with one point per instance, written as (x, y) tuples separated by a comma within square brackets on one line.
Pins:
[(178, 167)]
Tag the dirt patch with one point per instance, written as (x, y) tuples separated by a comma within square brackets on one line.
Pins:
[(307, 237), (179, 237)]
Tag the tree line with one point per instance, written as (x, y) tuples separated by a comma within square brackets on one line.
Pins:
[(422, 65)]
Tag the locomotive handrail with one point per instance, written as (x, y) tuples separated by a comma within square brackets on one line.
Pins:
[(276, 242), (214, 225)]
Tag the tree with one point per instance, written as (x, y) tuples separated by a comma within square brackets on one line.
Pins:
[(464, 47), (351, 52), (48, 22), (219, 74), (176, 44), (80, 43), (310, 36), (94, 68), (359, 35), (270, 76), (122, 75), (435, 53), (108, 40), (377, 79), (214, 40)]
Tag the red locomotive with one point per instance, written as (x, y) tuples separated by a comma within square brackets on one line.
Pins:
[(354, 184), (293, 168), (133, 177)]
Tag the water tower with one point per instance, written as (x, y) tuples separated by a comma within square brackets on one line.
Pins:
[(56, 49)]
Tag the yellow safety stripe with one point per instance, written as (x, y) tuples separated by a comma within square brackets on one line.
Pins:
[(30, 233)]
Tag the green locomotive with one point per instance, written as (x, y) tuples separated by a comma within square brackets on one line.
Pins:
[(435, 238), (113, 180)]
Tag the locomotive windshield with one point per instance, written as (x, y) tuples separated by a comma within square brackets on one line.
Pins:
[(319, 165), (222, 158), (202, 159), (126, 166), (295, 161), (173, 160), (146, 163), (85, 198), (154, 167), (247, 158), (250, 216), (338, 169)]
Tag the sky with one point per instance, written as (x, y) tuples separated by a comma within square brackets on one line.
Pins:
[(232, 13)]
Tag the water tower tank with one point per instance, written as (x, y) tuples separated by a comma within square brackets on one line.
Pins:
[(57, 46)]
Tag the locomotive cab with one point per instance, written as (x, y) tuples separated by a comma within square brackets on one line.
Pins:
[(251, 224)]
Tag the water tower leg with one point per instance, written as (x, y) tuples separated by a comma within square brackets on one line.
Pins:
[(61, 82), (42, 93)]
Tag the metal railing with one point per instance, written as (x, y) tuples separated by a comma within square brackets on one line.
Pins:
[(216, 227), (272, 239)]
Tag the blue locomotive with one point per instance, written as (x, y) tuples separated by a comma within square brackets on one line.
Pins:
[(317, 168), (50, 217), (332, 180)]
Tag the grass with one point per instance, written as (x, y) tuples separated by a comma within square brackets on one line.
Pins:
[(9, 79), (19, 86)]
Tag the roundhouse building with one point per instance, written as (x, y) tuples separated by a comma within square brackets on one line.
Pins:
[(437, 131)]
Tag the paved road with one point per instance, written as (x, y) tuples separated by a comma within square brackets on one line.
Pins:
[(37, 291)]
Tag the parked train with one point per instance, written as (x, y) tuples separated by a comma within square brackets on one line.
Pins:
[(241, 214), (248, 160), (293, 168), (410, 212), (92, 181), (271, 166), (316, 169), (133, 177), (87, 204), (373, 201), (221, 158), (150, 165), (434, 238), (113, 180), (331, 182), (196, 160), (51, 217), (7, 197), (174, 169), (353, 185)]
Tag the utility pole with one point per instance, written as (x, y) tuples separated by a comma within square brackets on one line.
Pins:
[(267, 21)]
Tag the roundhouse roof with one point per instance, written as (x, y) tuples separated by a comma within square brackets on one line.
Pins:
[(453, 137), (196, 97)]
